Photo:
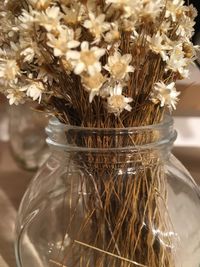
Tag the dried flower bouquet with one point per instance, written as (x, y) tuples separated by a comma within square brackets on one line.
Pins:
[(105, 64)]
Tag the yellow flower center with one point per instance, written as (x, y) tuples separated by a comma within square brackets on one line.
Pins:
[(119, 70), (88, 58), (117, 102), (93, 82), (72, 17)]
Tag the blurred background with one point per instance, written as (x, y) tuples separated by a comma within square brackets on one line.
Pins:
[(23, 149)]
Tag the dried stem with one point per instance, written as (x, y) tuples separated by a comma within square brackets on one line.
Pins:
[(124, 206), (104, 64)]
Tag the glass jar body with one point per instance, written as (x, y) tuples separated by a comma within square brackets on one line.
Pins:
[(110, 208)]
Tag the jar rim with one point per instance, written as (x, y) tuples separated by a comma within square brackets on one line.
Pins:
[(166, 122), (58, 131)]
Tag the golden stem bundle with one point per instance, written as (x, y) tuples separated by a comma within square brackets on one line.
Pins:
[(125, 220)]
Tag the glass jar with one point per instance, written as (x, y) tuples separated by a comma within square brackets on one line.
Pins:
[(110, 197), (27, 136), (4, 119)]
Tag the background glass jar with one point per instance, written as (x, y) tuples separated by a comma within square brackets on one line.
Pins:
[(110, 197), (27, 136), (4, 119)]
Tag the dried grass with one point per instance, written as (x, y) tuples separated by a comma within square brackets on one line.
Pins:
[(125, 207), (125, 211)]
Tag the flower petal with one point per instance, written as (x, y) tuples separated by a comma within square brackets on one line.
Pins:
[(79, 68)]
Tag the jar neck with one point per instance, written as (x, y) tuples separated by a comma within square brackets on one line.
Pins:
[(158, 137)]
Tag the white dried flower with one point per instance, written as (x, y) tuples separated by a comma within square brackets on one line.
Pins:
[(165, 26), (118, 65), (174, 8), (165, 94), (26, 20), (63, 43), (96, 25), (129, 7), (28, 54), (34, 90), (29, 49), (73, 13), (152, 9), (50, 19), (158, 44), (93, 84), (15, 96), (190, 11), (117, 102), (186, 27), (190, 51), (9, 70), (177, 61), (113, 34), (87, 59)]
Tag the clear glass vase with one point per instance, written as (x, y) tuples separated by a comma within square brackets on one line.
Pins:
[(110, 198)]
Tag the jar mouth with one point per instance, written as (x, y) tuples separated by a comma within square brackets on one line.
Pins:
[(168, 121), (76, 138)]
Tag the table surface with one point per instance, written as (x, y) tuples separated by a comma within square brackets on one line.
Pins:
[(14, 181)]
